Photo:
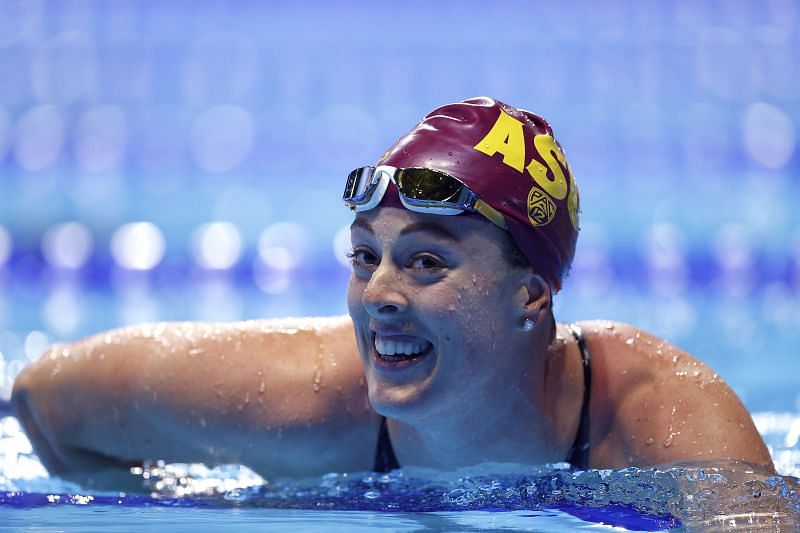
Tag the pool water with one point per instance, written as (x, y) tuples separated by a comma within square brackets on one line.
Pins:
[(235, 519), (493, 497), (133, 191)]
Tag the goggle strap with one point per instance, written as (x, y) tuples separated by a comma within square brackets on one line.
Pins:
[(491, 213)]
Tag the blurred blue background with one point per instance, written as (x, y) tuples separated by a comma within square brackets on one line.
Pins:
[(184, 160)]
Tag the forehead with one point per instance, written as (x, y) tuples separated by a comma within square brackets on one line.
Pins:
[(394, 223)]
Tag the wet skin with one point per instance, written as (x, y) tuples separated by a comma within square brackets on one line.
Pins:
[(484, 390), (441, 284), (290, 398)]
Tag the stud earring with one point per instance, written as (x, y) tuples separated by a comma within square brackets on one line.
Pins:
[(528, 325)]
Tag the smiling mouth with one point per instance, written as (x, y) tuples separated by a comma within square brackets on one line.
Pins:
[(399, 350)]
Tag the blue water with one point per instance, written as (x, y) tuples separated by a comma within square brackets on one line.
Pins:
[(128, 519), (679, 120), (549, 498)]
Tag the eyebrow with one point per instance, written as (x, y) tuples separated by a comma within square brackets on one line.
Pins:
[(427, 227), (362, 224)]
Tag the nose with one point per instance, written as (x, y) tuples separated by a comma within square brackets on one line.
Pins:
[(383, 295)]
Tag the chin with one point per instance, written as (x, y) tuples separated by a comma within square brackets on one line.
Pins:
[(407, 402)]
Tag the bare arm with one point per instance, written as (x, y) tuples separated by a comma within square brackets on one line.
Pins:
[(661, 405), (286, 398)]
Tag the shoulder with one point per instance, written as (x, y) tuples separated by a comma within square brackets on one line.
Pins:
[(625, 356), (627, 359), (653, 403)]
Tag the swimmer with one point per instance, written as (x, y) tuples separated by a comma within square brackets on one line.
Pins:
[(463, 233)]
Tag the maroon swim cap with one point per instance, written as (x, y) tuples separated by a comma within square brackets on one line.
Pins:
[(510, 159)]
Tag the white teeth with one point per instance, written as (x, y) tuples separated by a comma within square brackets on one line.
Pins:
[(391, 347)]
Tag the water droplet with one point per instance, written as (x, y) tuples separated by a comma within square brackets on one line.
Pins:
[(262, 387), (629, 342), (649, 441), (672, 435), (317, 379)]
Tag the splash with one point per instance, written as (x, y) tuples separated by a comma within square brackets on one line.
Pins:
[(691, 495), (699, 495)]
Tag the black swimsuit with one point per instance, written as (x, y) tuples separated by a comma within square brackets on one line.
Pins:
[(579, 453), (578, 457)]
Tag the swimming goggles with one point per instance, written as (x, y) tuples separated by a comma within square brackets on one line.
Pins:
[(422, 190)]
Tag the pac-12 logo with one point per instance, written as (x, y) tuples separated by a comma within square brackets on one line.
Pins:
[(541, 208), (506, 137)]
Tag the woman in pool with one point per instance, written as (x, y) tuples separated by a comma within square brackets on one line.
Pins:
[(451, 355)]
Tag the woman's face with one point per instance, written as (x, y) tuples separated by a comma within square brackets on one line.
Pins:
[(437, 311)]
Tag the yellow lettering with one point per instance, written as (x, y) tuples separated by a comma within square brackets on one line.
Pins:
[(538, 172), (573, 200), (556, 162), (505, 137)]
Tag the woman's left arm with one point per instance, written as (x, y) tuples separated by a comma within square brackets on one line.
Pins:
[(660, 405)]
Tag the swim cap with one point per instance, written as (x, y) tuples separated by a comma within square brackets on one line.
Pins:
[(511, 160)]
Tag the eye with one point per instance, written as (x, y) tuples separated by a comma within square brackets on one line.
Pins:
[(426, 262), (362, 258)]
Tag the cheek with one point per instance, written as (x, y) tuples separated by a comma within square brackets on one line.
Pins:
[(355, 308), (457, 312), (355, 290), (482, 316)]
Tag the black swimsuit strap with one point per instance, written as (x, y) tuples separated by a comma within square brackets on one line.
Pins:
[(579, 452), (385, 459)]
